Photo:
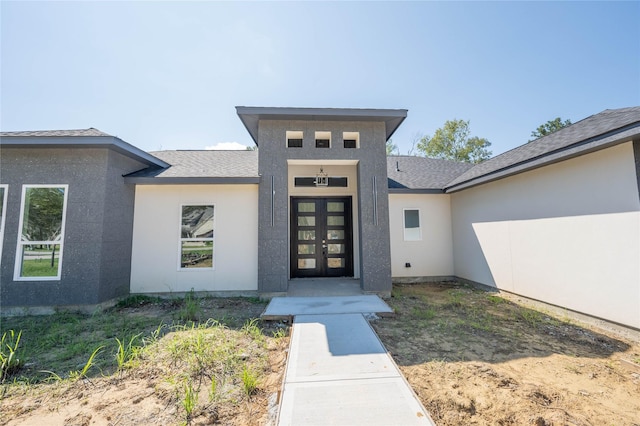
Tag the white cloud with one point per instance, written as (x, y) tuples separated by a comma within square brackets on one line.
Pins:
[(227, 146)]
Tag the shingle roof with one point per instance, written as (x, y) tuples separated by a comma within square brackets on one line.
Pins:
[(595, 132), (419, 173), (78, 138), (200, 164), (56, 133)]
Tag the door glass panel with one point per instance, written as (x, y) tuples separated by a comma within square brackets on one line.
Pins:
[(306, 249), (306, 235), (335, 220), (306, 263), (334, 234), (335, 248), (306, 221), (306, 207), (334, 206), (335, 262)]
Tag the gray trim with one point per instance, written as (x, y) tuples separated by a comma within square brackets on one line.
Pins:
[(110, 142), (587, 146), (423, 279), (415, 191), (191, 180), (636, 156), (250, 116), (21, 311), (200, 294)]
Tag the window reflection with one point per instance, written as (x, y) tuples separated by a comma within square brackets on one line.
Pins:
[(196, 232), (40, 245)]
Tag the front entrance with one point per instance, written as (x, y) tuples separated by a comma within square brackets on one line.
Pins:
[(321, 237)]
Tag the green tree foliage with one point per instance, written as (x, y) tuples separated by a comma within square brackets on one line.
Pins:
[(452, 142), (549, 127), (392, 149)]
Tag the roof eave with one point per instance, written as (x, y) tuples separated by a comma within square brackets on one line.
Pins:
[(416, 191), (251, 116), (205, 180), (110, 142), (587, 146)]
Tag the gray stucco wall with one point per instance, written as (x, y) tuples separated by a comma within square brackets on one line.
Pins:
[(273, 253), (98, 227)]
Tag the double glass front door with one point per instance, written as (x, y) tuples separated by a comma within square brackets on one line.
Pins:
[(321, 237)]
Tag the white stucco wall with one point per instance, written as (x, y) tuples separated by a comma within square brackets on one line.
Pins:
[(433, 254), (566, 234), (156, 232)]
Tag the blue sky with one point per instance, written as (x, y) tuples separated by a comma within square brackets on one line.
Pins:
[(167, 75)]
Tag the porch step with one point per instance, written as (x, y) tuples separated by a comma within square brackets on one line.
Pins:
[(283, 308)]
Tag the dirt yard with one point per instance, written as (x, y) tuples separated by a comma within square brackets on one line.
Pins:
[(183, 369), (475, 358)]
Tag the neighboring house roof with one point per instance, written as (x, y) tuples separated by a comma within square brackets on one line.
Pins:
[(200, 166), (596, 132), (419, 174), (250, 116), (78, 138)]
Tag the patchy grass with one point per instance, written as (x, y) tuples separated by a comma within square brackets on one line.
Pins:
[(194, 360), (478, 358)]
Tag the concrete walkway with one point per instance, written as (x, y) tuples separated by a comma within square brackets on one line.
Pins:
[(339, 373)]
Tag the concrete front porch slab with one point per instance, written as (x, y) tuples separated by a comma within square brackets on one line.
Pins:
[(286, 307)]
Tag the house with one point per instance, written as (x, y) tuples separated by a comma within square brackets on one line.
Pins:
[(555, 220)]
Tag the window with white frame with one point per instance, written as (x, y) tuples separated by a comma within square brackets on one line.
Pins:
[(412, 225), (3, 208), (196, 236), (41, 238)]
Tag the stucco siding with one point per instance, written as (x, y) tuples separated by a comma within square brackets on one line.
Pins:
[(566, 234), (371, 204), (155, 249), (92, 271), (432, 255)]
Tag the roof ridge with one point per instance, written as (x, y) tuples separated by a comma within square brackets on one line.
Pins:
[(90, 131)]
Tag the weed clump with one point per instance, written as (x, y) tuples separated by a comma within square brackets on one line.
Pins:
[(10, 361)]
